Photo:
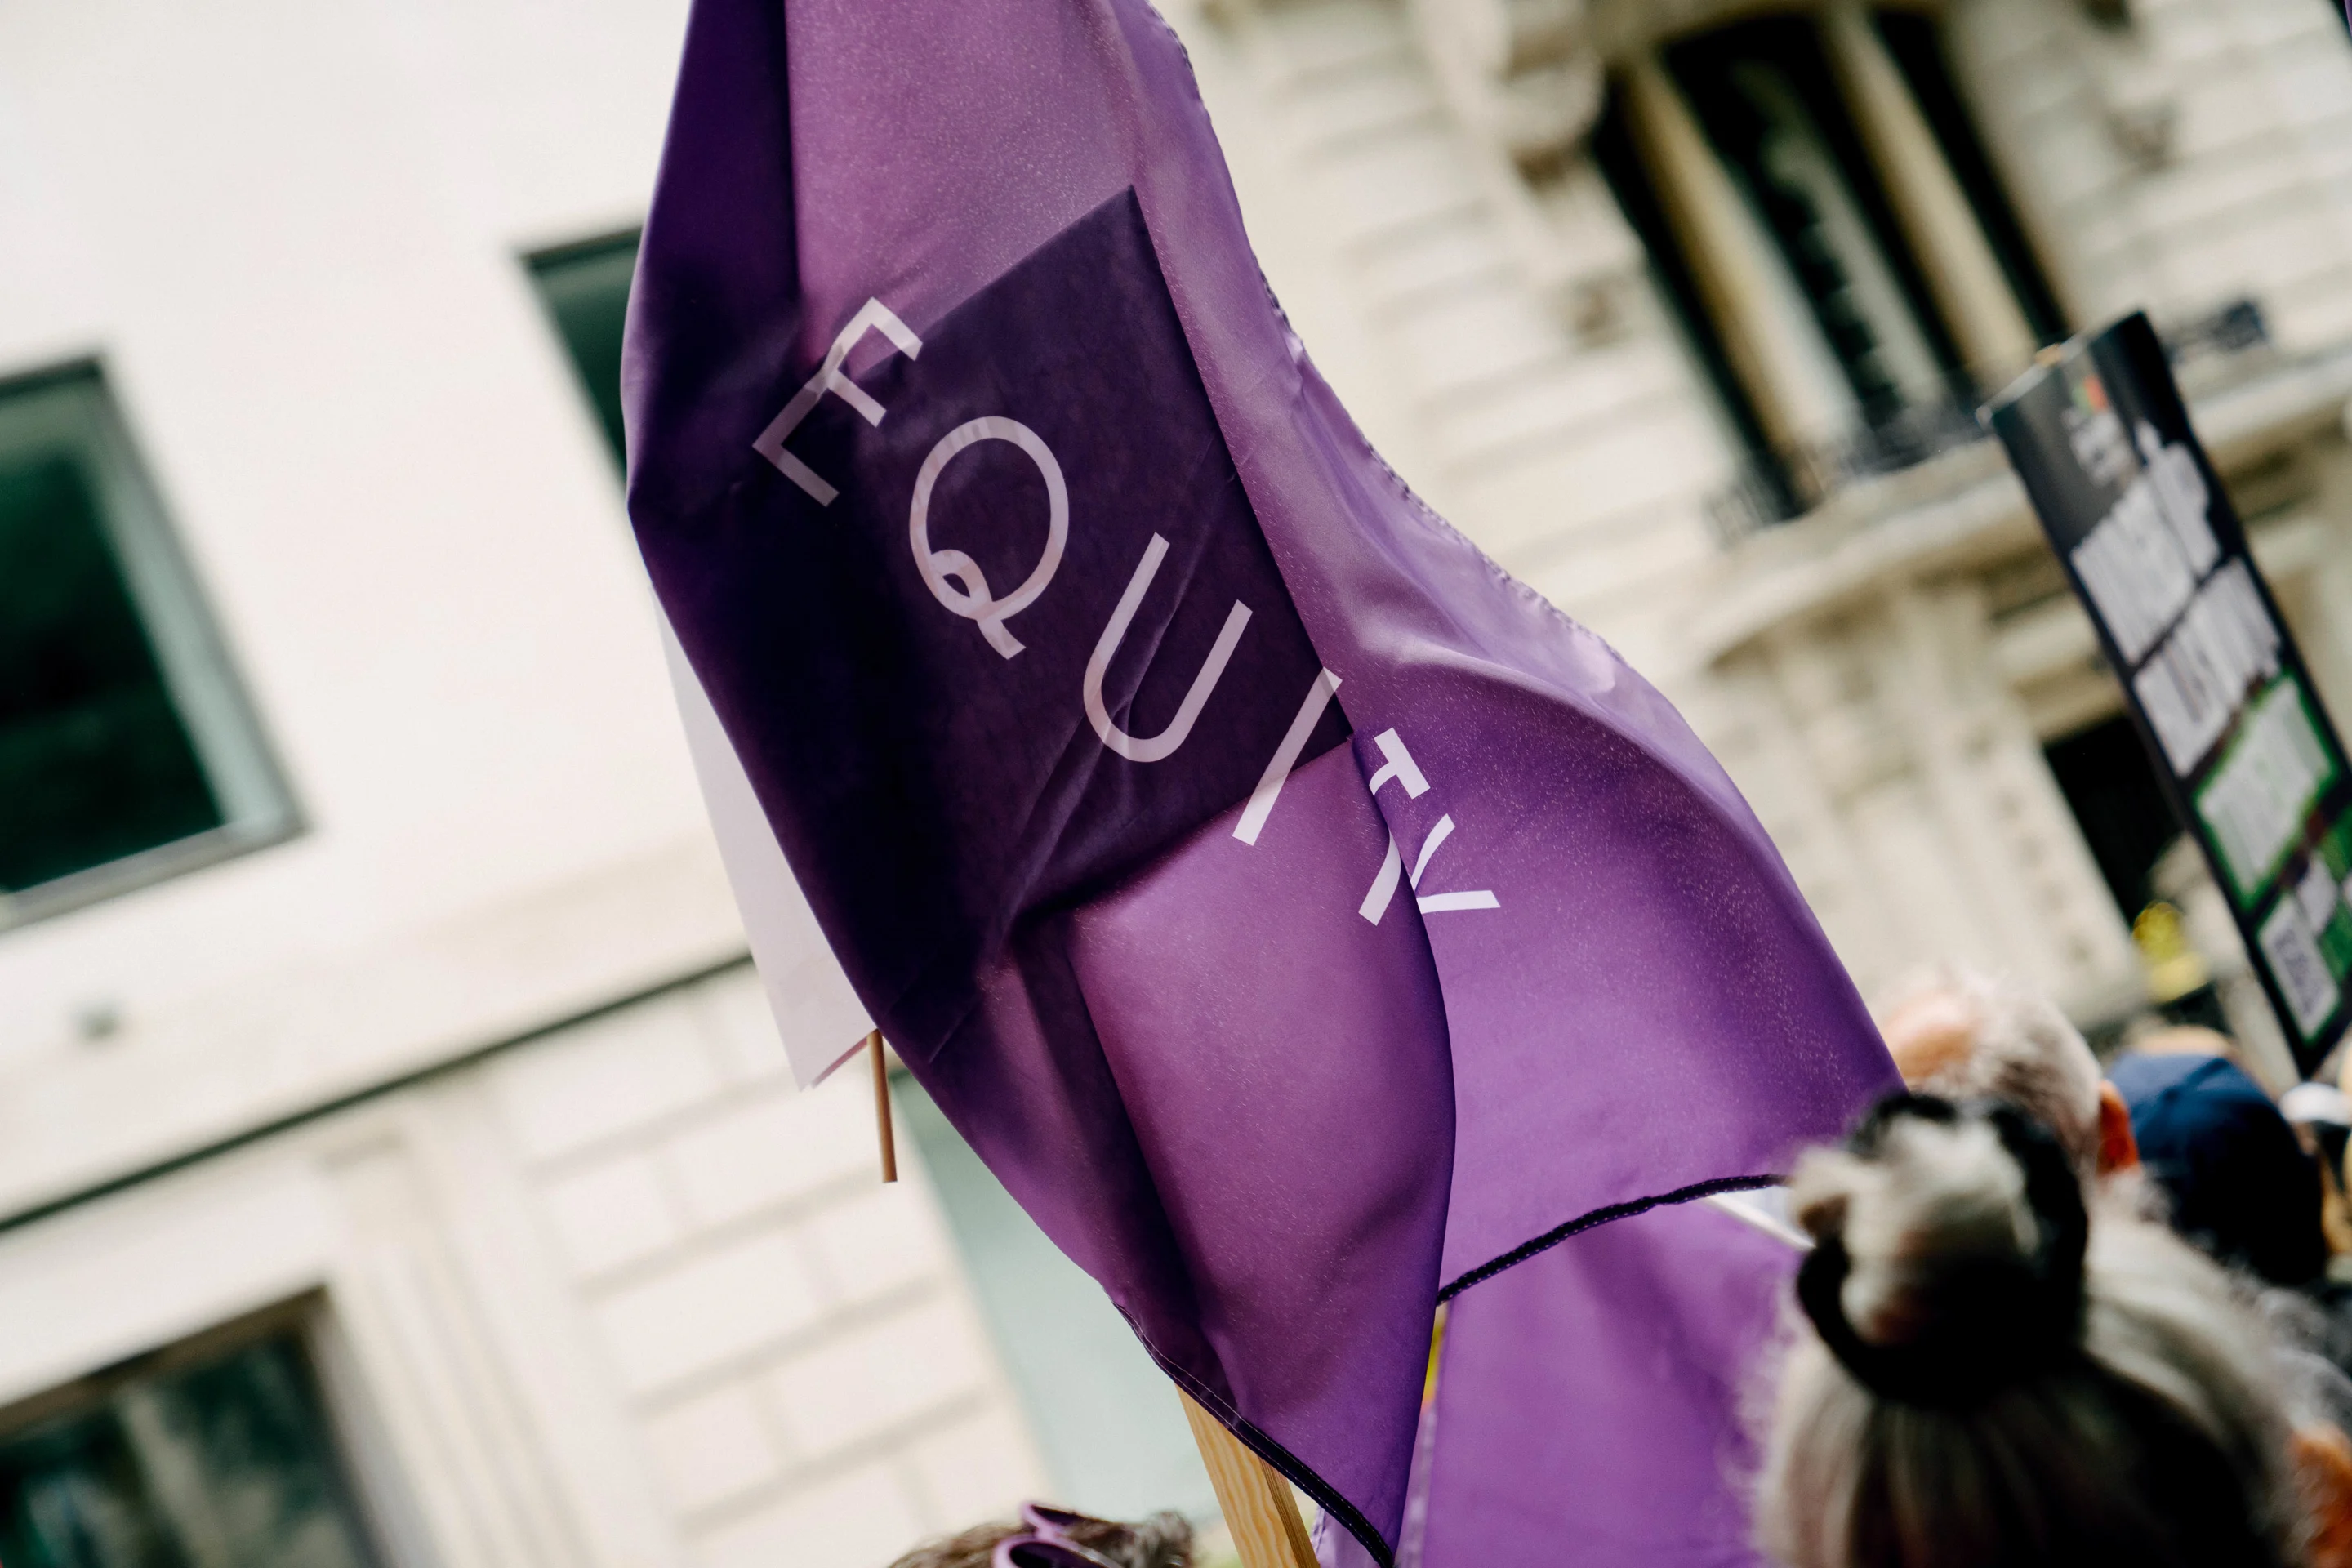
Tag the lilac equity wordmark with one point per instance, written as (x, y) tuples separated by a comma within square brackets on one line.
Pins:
[(956, 580), (958, 583)]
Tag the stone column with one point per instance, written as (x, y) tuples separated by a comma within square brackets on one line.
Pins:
[(1977, 304), (1751, 301)]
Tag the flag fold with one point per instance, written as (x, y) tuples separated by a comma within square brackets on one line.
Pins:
[(1303, 919)]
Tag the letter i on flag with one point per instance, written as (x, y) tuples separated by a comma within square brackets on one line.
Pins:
[(1302, 918)]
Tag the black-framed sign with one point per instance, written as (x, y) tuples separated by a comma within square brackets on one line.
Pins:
[(2247, 755)]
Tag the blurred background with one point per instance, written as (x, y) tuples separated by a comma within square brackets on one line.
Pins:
[(397, 1161)]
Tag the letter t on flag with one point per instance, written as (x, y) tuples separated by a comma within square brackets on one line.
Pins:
[(1062, 658)]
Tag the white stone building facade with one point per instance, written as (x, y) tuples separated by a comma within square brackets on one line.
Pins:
[(410, 1026), (438, 1056), (1884, 669)]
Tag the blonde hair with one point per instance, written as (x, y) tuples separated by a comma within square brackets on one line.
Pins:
[(2150, 1430)]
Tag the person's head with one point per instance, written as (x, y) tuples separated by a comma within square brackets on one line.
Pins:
[(1965, 1036), (2237, 1179), (1992, 1377), (1056, 1538)]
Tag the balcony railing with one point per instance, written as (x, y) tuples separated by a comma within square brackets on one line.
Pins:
[(1779, 486)]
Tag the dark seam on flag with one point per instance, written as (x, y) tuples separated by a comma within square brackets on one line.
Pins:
[(1294, 1469), (1552, 1238)]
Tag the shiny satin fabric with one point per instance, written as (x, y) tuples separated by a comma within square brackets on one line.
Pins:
[(1304, 919)]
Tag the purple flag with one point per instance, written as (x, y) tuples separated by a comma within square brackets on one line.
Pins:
[(1304, 919), (1593, 1406)]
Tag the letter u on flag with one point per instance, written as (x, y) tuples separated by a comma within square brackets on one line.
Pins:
[(1304, 919)]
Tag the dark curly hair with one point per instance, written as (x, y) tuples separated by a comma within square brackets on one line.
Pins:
[(1163, 1540)]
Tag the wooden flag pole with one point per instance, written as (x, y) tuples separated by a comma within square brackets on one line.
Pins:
[(1258, 1507), (882, 1105)]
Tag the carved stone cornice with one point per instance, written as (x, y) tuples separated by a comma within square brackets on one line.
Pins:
[(1955, 514), (1522, 72), (1532, 74), (1621, 28)]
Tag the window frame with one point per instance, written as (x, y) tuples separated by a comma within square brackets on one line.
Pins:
[(1782, 470), (359, 1468)]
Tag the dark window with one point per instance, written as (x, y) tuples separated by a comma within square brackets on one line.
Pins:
[(220, 1457), (585, 289), (123, 737), (1917, 45), (1771, 105), (94, 761), (2111, 786), (1861, 371)]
